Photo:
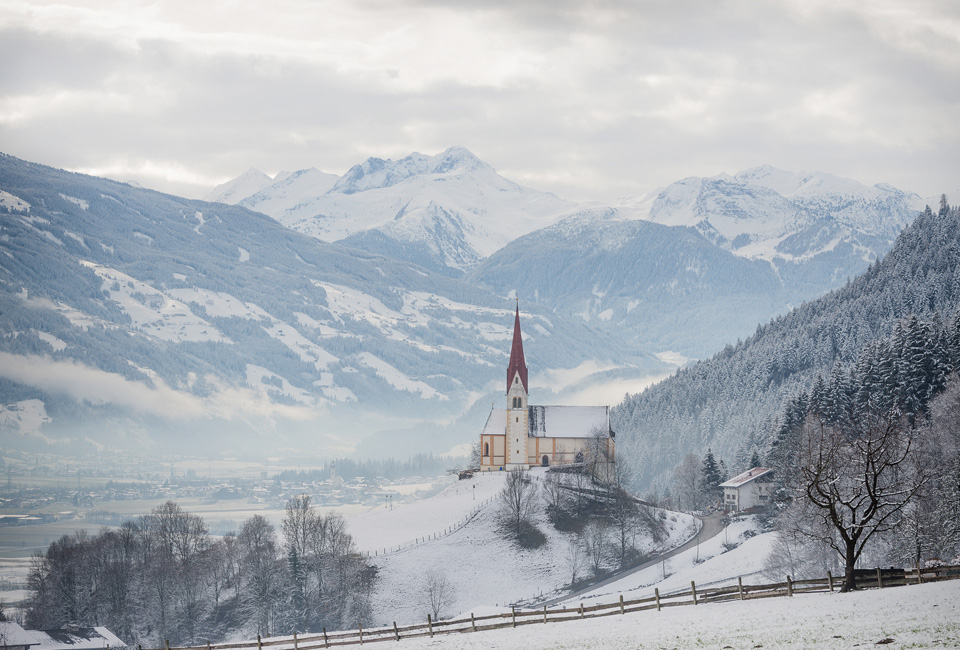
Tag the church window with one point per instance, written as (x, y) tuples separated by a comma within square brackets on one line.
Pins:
[(486, 449)]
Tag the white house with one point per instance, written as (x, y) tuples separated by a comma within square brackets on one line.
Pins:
[(14, 637), (748, 490), (523, 435)]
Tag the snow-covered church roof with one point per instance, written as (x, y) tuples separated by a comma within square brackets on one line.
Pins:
[(555, 421)]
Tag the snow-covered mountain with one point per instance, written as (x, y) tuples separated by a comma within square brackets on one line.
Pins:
[(767, 213), (130, 318), (444, 212)]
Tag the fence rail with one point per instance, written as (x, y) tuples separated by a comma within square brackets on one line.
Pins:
[(871, 578)]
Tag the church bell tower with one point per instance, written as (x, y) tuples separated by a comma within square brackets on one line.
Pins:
[(518, 414)]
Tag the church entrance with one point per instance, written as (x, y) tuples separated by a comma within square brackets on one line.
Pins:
[(545, 462)]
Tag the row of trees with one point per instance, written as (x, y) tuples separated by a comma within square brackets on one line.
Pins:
[(163, 577), (869, 459)]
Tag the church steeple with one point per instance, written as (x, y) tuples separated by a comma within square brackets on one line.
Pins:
[(517, 363)]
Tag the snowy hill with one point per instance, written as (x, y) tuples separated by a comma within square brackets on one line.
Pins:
[(486, 569), (444, 212)]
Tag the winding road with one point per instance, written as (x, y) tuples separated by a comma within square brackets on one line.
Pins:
[(712, 525)]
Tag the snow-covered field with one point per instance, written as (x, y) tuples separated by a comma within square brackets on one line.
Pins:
[(486, 570), (916, 616)]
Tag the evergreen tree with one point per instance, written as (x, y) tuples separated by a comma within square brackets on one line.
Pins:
[(711, 478)]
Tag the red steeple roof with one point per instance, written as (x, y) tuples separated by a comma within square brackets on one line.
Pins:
[(517, 362)]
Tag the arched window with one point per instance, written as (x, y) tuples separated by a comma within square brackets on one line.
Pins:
[(579, 457), (486, 449), (545, 462)]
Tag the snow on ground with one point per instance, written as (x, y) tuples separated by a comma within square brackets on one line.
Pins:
[(83, 204), (397, 379), (218, 303), (916, 616), (25, 416), (709, 565), (13, 203), (485, 568), (152, 312), (56, 343), (380, 528)]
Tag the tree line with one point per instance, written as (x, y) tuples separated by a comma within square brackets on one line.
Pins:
[(163, 577), (868, 461), (731, 401)]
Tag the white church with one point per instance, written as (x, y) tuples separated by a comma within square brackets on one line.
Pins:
[(522, 435)]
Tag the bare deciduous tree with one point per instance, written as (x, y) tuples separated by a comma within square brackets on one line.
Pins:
[(687, 477), (595, 538), (555, 496), (518, 498), (437, 591), (576, 557), (854, 483)]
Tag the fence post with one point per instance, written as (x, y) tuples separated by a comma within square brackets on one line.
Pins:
[(621, 603), (789, 587), (473, 622), (295, 646), (830, 580), (259, 643), (326, 642), (166, 642), (879, 579), (919, 575), (693, 588), (513, 610), (360, 626), (740, 586), (581, 609), (430, 625), (544, 614), (396, 631), (656, 592)]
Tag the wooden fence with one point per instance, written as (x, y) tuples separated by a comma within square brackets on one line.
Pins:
[(872, 578), (463, 521)]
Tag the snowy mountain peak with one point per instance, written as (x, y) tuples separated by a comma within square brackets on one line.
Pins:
[(377, 173), (769, 213), (232, 192)]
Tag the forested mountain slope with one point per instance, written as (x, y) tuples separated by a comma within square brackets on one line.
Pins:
[(729, 402), (134, 319)]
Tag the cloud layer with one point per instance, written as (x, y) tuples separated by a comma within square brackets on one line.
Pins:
[(590, 100)]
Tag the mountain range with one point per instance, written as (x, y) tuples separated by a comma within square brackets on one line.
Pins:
[(371, 311)]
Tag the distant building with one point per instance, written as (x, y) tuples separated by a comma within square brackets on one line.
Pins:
[(523, 435), (14, 637), (748, 490)]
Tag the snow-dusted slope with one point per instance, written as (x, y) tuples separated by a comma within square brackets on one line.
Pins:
[(448, 210), (486, 569)]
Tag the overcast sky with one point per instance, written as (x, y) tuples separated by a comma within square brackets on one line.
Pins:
[(591, 100)]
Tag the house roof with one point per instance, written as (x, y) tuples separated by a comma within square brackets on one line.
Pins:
[(555, 421), (517, 363), (12, 634), (746, 477), (77, 638)]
